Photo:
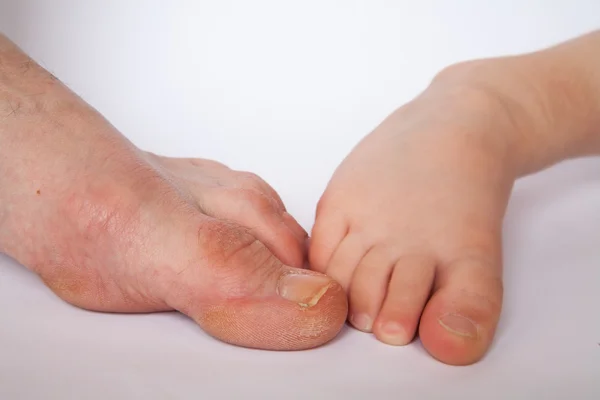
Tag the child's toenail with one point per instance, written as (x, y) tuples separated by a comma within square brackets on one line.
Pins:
[(362, 322), (393, 333), (306, 290), (459, 325)]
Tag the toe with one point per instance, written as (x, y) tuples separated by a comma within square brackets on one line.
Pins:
[(242, 294), (244, 198), (327, 234), (257, 211), (459, 321), (346, 258), (407, 293), (368, 287), (250, 180)]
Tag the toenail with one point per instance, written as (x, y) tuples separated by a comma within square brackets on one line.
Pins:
[(393, 333), (306, 290), (362, 322), (459, 325)]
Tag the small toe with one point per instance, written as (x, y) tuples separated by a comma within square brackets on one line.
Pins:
[(327, 234), (346, 258), (459, 321), (408, 291), (368, 287)]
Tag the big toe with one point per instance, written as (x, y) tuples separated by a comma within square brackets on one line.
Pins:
[(459, 321), (240, 293)]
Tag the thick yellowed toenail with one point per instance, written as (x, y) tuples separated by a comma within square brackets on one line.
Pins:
[(393, 333), (362, 322), (459, 325), (306, 290)]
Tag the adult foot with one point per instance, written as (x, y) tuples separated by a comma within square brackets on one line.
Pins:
[(111, 228), (410, 223)]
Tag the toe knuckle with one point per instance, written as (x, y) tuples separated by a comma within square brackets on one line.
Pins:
[(218, 240), (202, 163), (257, 199), (250, 179), (254, 183), (228, 245), (240, 263)]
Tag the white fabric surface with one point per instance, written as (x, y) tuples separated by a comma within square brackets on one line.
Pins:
[(285, 89)]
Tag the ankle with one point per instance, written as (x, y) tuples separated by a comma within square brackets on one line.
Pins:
[(545, 108)]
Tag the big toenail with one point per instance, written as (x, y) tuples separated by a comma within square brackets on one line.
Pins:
[(459, 325), (306, 290), (362, 322), (393, 333)]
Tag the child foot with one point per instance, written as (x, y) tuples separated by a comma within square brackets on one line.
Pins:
[(410, 224)]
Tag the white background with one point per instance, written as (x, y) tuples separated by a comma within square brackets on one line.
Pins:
[(285, 89)]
